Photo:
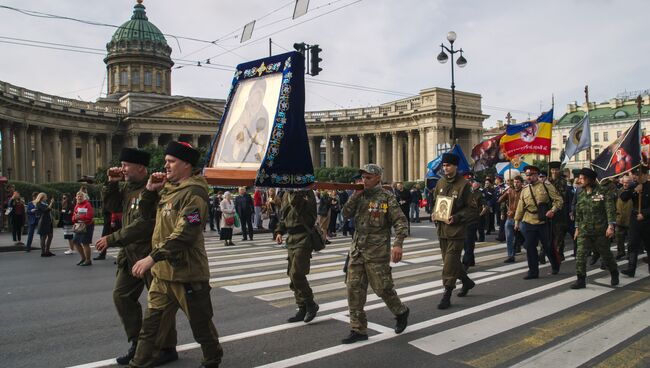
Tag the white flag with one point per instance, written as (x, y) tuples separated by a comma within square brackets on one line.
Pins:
[(579, 139)]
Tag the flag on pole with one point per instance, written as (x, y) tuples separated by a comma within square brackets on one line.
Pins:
[(529, 137), (486, 154), (620, 157), (435, 166), (579, 139)]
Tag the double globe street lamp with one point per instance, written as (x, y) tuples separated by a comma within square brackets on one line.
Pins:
[(461, 62)]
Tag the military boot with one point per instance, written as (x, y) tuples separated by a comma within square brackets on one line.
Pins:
[(631, 264), (402, 321), (580, 283), (614, 280), (446, 298), (310, 313), (165, 356), (126, 358), (300, 315), (468, 284)]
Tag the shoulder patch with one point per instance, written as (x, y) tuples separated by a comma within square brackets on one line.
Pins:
[(193, 217)]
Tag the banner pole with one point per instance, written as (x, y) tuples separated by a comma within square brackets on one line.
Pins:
[(587, 100)]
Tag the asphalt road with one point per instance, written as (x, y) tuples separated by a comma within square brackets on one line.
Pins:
[(55, 314)]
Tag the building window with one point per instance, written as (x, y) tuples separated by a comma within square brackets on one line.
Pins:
[(605, 136), (564, 139), (124, 78), (618, 133), (158, 79), (135, 78), (147, 78), (596, 152), (77, 152), (596, 137)]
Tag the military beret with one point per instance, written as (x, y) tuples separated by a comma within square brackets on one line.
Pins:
[(588, 173), (135, 156), (183, 151), (554, 164), (371, 169), (450, 158)]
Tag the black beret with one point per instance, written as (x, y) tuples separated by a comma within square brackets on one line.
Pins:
[(588, 173), (135, 156), (554, 164), (532, 168), (450, 158), (183, 151)]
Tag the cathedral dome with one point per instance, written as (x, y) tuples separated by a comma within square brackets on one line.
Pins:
[(139, 28)]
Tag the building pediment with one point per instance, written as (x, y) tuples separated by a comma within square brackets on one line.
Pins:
[(186, 108)]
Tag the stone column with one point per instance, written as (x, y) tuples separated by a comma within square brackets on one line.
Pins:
[(356, 151), (57, 174), (379, 150), (108, 149), (133, 139), (21, 153), (92, 157), (416, 157), (155, 138), (363, 150), (394, 140), (410, 155), (328, 151), (195, 140), (72, 152), (336, 158), (38, 154), (314, 149), (400, 159), (7, 150), (423, 152), (176, 137), (345, 142)]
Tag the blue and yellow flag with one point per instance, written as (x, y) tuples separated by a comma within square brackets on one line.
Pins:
[(529, 137)]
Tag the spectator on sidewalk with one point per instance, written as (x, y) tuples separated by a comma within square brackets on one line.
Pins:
[(244, 206), (32, 222), (83, 213), (227, 207), (258, 203), (45, 227), (416, 197), (65, 220), (273, 208), (16, 207)]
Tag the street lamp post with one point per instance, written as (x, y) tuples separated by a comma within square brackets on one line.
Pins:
[(461, 62)]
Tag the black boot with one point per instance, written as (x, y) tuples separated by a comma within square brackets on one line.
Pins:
[(312, 309), (446, 299), (468, 284), (126, 358), (631, 264), (165, 356), (354, 336), (614, 281), (300, 315), (580, 283), (402, 321)]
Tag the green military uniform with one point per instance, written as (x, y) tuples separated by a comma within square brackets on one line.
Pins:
[(298, 218), (560, 221), (374, 212), (134, 240), (623, 215), (594, 211), (452, 236), (180, 274)]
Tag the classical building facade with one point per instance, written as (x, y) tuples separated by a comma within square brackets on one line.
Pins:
[(51, 138)]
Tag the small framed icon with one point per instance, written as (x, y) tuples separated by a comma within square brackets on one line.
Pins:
[(442, 209)]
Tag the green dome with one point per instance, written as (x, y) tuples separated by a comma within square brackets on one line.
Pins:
[(139, 28)]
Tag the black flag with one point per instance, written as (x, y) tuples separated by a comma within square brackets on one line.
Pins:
[(621, 156)]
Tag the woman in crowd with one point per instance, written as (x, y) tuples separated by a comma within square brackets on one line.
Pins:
[(227, 207), (65, 220), (45, 227), (272, 209), (17, 217), (83, 234), (32, 222)]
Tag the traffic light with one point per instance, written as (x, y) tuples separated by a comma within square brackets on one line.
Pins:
[(314, 60), (300, 47)]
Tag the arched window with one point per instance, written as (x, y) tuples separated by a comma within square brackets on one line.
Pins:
[(124, 78), (135, 77), (147, 77), (158, 79), (620, 114)]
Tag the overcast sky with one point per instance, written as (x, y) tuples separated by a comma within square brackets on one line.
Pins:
[(519, 52)]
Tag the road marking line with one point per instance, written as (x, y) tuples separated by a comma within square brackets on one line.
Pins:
[(371, 326), (593, 342), (631, 356)]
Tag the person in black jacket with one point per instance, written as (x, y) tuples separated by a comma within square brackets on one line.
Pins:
[(245, 209), (639, 231), (404, 199)]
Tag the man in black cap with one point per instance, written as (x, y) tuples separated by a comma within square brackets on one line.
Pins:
[(561, 219), (452, 231), (639, 231), (595, 222), (122, 194), (178, 261), (538, 204)]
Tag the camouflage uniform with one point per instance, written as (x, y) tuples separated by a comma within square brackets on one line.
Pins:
[(560, 220), (594, 211), (180, 274), (623, 215), (297, 218), (452, 237), (374, 212), (134, 240)]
